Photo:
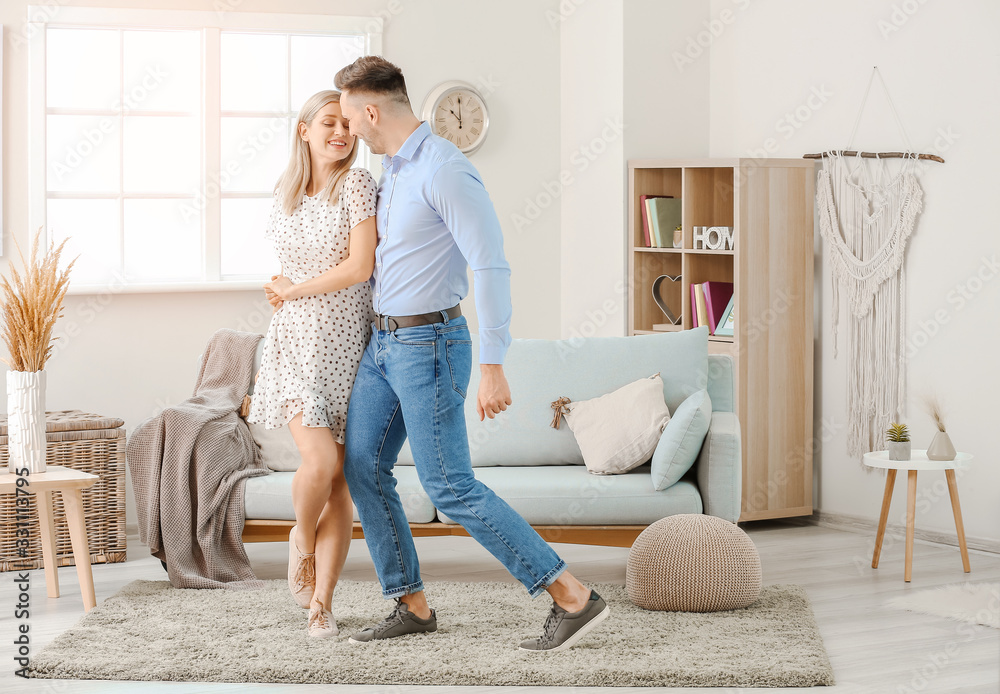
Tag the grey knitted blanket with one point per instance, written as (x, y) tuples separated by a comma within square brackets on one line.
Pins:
[(188, 467)]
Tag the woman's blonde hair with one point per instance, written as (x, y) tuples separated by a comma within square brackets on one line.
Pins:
[(293, 182)]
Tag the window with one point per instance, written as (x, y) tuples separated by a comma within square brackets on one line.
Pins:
[(157, 137)]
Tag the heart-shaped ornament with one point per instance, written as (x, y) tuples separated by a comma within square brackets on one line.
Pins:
[(674, 320)]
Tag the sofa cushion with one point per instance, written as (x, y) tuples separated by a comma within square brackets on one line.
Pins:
[(540, 371), (681, 440), (618, 431), (569, 495), (277, 447), (269, 497), (721, 380)]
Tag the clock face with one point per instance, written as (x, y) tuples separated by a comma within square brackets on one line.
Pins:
[(459, 115)]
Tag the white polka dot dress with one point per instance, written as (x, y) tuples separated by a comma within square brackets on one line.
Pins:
[(314, 344)]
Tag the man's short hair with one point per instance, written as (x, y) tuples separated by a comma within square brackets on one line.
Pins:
[(372, 74)]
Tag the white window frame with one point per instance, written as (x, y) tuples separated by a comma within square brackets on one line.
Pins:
[(213, 23)]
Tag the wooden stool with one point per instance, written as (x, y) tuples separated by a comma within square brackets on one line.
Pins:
[(69, 483), (918, 461)]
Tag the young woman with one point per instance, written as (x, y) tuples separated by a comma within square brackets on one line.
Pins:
[(323, 229)]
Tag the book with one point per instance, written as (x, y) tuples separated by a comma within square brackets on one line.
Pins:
[(664, 217), (699, 296), (694, 306), (645, 217), (654, 241), (727, 322), (717, 295)]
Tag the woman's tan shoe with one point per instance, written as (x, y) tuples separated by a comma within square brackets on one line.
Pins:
[(321, 624)]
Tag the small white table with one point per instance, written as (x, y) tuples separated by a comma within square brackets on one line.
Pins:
[(69, 483), (918, 461)]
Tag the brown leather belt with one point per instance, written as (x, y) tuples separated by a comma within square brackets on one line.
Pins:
[(390, 323)]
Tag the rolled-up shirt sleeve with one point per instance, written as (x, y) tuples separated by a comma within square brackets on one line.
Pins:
[(461, 200)]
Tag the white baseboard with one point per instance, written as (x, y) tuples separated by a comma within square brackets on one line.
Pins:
[(843, 521)]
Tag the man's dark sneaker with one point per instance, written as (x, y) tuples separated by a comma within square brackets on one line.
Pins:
[(399, 622), (563, 629)]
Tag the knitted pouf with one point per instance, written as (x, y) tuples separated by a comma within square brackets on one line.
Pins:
[(693, 563)]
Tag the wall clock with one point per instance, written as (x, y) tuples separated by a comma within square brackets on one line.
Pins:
[(457, 112)]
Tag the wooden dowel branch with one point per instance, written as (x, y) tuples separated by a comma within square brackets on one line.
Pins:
[(875, 155)]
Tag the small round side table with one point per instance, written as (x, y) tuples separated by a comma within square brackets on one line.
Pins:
[(918, 462)]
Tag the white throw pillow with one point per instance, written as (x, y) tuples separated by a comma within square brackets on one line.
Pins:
[(277, 447), (619, 431)]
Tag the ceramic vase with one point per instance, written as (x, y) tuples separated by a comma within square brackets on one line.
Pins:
[(26, 421), (941, 447), (899, 450)]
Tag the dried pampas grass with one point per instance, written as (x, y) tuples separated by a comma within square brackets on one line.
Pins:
[(32, 302), (934, 409)]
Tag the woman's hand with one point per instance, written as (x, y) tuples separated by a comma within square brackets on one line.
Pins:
[(272, 298), (280, 287)]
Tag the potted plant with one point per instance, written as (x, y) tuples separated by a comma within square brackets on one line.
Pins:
[(32, 300), (899, 441), (678, 237), (941, 447)]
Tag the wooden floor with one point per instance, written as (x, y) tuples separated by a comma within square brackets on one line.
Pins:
[(874, 648)]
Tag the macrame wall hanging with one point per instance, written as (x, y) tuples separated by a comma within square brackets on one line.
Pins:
[(867, 212)]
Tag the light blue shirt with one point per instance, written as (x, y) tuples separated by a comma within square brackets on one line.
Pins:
[(435, 220)]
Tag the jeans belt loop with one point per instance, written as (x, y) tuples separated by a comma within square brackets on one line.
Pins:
[(444, 314)]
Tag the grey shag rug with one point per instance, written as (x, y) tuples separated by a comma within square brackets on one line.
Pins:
[(152, 631)]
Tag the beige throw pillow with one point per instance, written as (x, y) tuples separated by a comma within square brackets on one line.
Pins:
[(619, 431)]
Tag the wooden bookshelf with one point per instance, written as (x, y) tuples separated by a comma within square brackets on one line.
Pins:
[(769, 204)]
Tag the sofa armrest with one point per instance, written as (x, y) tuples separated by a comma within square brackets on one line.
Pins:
[(720, 467)]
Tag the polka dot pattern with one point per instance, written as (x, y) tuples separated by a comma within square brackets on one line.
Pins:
[(314, 344)]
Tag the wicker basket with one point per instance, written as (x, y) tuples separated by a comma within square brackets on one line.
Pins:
[(85, 442)]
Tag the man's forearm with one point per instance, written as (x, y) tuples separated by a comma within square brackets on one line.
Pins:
[(493, 308)]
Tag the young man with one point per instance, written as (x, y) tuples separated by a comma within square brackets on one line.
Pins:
[(434, 220)]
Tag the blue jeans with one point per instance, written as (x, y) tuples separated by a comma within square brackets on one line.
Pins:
[(412, 382)]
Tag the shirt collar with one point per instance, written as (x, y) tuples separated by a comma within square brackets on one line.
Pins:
[(410, 146)]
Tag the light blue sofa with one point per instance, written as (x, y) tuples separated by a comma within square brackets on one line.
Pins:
[(539, 470)]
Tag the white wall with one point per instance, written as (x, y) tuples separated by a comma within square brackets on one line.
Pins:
[(136, 353), (623, 96), (940, 62)]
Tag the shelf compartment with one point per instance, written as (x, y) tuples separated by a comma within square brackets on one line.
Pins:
[(704, 267), (647, 267), (651, 182), (709, 200)]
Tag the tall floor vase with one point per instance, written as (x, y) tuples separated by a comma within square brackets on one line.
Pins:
[(26, 421)]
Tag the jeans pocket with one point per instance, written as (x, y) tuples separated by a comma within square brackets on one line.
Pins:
[(459, 356), (423, 335)]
